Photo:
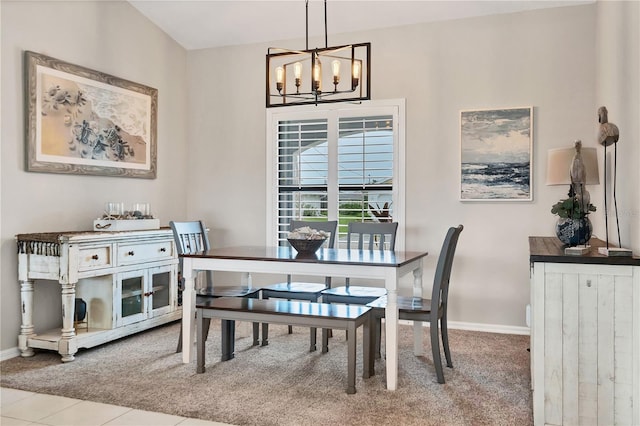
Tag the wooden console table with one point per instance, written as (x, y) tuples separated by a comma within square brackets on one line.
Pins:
[(128, 281), (585, 336)]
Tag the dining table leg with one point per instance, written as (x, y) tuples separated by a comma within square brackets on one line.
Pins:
[(188, 312), (391, 329)]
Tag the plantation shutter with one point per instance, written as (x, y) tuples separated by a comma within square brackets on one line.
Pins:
[(365, 170), (303, 168)]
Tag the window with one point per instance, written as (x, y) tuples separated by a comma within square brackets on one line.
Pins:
[(335, 164)]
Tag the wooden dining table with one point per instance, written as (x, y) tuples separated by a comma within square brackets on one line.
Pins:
[(368, 265)]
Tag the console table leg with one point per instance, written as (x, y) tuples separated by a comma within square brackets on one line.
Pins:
[(67, 346), (26, 309)]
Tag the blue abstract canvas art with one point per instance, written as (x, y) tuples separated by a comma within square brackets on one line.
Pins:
[(495, 148)]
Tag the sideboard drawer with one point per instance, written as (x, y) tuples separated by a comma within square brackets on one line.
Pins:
[(94, 258), (144, 252)]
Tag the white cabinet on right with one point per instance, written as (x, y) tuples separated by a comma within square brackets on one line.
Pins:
[(585, 338)]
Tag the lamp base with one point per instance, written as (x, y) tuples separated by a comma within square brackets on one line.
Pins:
[(615, 252), (577, 250)]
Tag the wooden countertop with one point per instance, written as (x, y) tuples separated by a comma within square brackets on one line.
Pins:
[(551, 249)]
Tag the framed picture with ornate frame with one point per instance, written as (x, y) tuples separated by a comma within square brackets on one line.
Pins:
[(496, 154), (82, 121)]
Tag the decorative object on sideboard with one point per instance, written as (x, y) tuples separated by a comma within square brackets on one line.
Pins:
[(348, 79), (85, 122), (80, 318), (576, 167), (608, 134), (116, 218)]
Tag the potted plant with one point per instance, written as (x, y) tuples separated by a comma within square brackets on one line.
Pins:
[(573, 227)]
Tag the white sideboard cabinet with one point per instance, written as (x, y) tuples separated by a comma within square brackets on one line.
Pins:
[(128, 282), (585, 336)]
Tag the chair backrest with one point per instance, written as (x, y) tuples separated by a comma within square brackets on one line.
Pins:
[(329, 226), (375, 235), (440, 291), (190, 237)]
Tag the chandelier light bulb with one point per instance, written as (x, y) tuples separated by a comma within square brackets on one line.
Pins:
[(355, 79), (317, 76), (335, 66), (279, 78), (297, 70)]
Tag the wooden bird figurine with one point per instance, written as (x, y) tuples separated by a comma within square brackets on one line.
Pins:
[(578, 175), (608, 133)]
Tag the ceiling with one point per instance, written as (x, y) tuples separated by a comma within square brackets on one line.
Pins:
[(204, 24)]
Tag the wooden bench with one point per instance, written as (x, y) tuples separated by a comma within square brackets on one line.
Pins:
[(305, 314)]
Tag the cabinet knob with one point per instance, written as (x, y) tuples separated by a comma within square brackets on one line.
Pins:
[(162, 249), (94, 257), (131, 253), (588, 283)]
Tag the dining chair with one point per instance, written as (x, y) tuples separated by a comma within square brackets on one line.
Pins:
[(367, 236), (191, 238), (296, 290), (432, 310)]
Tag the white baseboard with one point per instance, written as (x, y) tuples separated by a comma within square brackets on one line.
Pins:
[(488, 328), (9, 353)]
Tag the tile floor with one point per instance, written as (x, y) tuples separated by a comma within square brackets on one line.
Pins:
[(20, 408)]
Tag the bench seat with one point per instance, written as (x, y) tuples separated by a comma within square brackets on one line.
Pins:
[(306, 314)]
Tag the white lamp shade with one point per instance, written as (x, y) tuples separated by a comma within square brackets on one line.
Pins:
[(559, 163)]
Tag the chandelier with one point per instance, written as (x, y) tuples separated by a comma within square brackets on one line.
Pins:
[(320, 75)]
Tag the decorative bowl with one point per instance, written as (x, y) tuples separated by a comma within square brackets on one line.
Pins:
[(306, 246)]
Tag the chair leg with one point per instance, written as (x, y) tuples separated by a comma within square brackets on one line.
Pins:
[(378, 336), (256, 334), (290, 328), (228, 340), (435, 349), (325, 340), (445, 341), (179, 347), (207, 324), (265, 334), (312, 337)]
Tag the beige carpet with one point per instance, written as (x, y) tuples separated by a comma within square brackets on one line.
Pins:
[(284, 384)]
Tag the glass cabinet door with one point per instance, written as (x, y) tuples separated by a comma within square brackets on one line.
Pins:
[(161, 299), (133, 303)]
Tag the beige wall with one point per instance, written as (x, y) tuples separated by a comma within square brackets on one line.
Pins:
[(114, 38), (547, 59)]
